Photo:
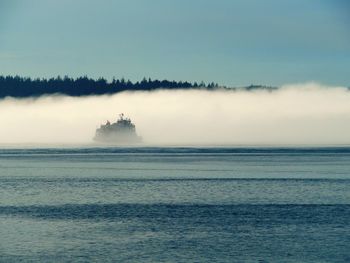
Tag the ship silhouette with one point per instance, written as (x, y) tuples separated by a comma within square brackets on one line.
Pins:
[(121, 132)]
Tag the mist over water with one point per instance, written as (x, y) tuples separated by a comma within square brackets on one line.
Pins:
[(294, 114)]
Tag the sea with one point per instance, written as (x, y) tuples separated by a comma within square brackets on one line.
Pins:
[(175, 204)]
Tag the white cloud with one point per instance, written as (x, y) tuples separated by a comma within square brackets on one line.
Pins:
[(294, 114)]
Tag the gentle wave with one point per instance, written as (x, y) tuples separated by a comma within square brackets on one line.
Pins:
[(177, 150)]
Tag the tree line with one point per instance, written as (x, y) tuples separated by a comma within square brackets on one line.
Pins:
[(21, 87)]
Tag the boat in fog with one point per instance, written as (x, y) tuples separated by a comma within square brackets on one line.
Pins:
[(123, 131)]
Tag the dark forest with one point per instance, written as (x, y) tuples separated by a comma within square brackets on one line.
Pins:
[(21, 87)]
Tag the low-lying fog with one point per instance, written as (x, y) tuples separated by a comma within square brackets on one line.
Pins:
[(294, 114)]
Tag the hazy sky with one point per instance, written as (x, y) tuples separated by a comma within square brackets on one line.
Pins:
[(232, 42)]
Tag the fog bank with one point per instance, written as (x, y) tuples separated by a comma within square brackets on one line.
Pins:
[(294, 114)]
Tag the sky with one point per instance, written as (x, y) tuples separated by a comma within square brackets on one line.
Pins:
[(233, 43)]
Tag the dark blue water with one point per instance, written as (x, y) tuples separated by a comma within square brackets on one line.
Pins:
[(175, 205)]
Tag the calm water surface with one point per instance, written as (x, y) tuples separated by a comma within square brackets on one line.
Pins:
[(175, 205)]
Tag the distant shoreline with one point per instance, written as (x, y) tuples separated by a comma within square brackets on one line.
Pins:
[(25, 87)]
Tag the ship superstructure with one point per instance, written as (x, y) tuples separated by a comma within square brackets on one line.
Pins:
[(121, 132)]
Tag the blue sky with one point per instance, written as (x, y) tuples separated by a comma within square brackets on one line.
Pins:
[(232, 42)]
